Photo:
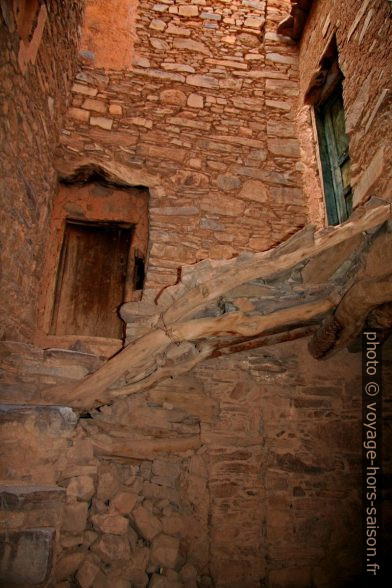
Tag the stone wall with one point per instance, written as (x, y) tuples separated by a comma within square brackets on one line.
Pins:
[(38, 58), (284, 468), (361, 29), (109, 34), (245, 470), (206, 120)]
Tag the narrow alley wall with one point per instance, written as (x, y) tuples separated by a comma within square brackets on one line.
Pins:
[(38, 42), (246, 470)]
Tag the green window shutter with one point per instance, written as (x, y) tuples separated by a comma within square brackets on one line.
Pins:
[(334, 157)]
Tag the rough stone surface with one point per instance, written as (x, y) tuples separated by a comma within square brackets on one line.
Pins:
[(124, 502), (37, 92), (189, 131), (75, 517), (26, 556), (112, 524), (87, 573), (147, 523), (164, 551), (198, 103), (112, 548), (108, 484), (82, 487)]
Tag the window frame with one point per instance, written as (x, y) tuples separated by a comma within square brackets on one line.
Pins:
[(338, 199), (324, 89)]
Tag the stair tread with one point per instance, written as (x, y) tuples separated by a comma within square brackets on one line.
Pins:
[(20, 489), (27, 496)]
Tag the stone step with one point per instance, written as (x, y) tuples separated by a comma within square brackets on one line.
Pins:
[(16, 497), (26, 370), (30, 520), (26, 557), (33, 439), (48, 419), (28, 506)]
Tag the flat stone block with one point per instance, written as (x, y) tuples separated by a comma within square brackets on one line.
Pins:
[(14, 497), (26, 557), (51, 418)]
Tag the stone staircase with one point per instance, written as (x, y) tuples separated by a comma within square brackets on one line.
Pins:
[(33, 439)]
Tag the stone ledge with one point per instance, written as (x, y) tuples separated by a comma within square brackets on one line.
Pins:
[(20, 497), (62, 416)]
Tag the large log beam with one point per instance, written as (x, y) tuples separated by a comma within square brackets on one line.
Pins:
[(231, 323), (200, 285), (371, 290), (345, 325), (152, 361)]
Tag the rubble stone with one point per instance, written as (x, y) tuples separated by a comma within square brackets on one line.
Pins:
[(112, 548), (112, 524), (82, 487), (75, 517), (124, 502), (87, 573), (148, 524), (164, 551), (108, 484)]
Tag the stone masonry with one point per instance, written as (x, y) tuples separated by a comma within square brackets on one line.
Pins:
[(207, 115), (38, 65), (245, 471)]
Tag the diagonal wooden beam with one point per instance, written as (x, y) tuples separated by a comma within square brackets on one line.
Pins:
[(199, 286), (345, 325)]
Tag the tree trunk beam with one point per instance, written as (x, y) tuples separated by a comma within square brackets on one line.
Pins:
[(201, 352), (350, 316), (200, 286), (371, 289)]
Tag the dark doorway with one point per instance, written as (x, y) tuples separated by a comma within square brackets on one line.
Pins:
[(91, 279)]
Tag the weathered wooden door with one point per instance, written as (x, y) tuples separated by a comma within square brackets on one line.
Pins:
[(91, 279)]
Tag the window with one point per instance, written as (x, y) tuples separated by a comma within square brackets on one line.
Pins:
[(335, 160), (325, 93)]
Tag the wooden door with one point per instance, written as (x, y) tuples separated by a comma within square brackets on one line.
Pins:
[(91, 280)]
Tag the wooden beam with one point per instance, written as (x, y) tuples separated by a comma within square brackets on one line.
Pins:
[(346, 323), (263, 341), (169, 369), (199, 286), (371, 289)]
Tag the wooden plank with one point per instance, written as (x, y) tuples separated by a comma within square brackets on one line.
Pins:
[(142, 448)]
